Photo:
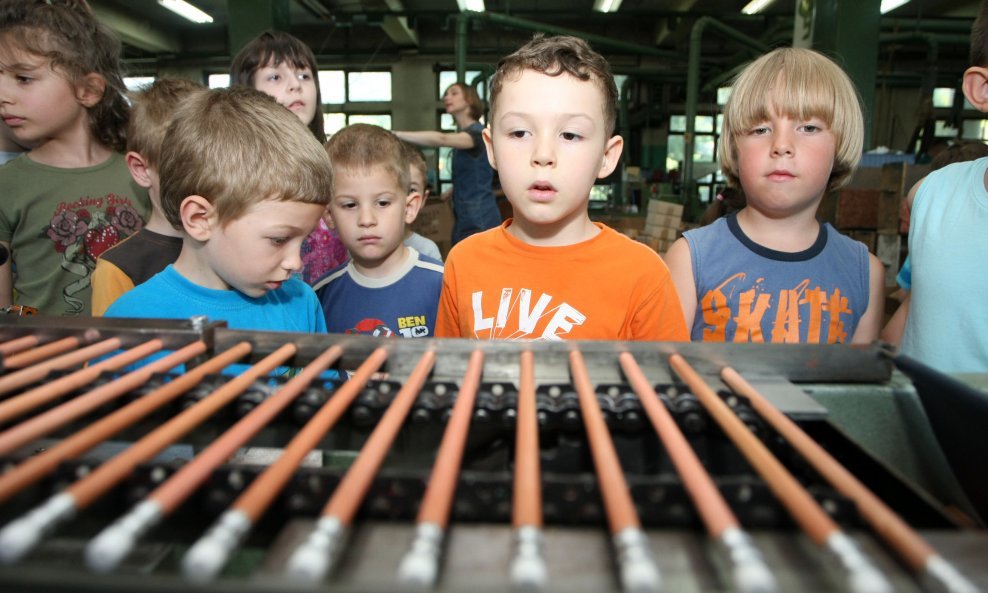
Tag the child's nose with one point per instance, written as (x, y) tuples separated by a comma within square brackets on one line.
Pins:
[(293, 261), (782, 145), (543, 153)]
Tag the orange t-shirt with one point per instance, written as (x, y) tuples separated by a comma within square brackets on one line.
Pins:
[(607, 288)]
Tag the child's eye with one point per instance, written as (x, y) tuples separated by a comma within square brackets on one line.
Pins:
[(383, 203), (24, 79), (274, 78), (517, 134), (305, 75), (571, 136), (278, 241), (812, 128), (758, 130)]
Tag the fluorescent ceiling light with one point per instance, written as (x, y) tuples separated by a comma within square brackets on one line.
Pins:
[(756, 6), (888, 5), (184, 9), (474, 5), (606, 5)]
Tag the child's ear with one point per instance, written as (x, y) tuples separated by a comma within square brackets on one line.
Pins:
[(489, 144), (327, 217), (413, 203), (612, 156), (198, 217), (90, 90), (976, 87), (138, 167)]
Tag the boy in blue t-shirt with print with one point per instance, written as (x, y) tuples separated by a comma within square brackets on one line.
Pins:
[(387, 288)]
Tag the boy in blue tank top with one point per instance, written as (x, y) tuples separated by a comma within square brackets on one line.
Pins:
[(771, 272)]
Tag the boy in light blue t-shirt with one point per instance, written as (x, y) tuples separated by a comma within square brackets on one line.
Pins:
[(245, 181)]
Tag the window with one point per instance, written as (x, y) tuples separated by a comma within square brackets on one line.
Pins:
[(136, 83), (707, 134), (349, 97), (218, 81), (368, 86)]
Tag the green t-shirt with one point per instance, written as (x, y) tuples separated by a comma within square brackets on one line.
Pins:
[(58, 221)]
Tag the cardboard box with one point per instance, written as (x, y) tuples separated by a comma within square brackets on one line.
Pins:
[(858, 209), (435, 221)]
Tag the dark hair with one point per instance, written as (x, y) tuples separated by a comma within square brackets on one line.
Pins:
[(963, 150), (979, 37), (66, 33), (553, 56), (728, 200), (277, 47)]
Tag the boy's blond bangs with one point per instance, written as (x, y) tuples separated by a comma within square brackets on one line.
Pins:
[(799, 84)]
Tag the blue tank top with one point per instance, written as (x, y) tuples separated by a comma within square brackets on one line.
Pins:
[(749, 293)]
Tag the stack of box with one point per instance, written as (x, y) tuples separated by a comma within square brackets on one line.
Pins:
[(662, 224), (435, 221)]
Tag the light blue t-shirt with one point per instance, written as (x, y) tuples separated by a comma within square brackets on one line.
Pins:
[(293, 307), (947, 325)]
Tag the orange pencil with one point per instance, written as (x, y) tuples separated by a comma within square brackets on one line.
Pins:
[(635, 562), (19, 536), (107, 549), (210, 553), (859, 573), (44, 423), (750, 574), (34, 468), (42, 394), (421, 563), (528, 568), (40, 370), (921, 558), (29, 357), (18, 344), (313, 558)]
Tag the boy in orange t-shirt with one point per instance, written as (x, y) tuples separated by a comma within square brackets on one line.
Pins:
[(550, 273)]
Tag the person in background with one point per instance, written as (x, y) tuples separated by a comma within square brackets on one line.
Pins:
[(387, 288), (284, 67), (964, 150), (419, 184), (550, 273), (145, 253), (946, 323), (772, 272), (70, 197), (474, 205), (246, 182)]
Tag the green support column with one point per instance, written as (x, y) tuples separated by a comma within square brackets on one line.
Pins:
[(847, 30), (248, 18)]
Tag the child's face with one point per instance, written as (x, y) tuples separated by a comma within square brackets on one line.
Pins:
[(369, 210), (260, 250), (784, 164), (295, 88), (36, 102), (548, 141), (416, 179)]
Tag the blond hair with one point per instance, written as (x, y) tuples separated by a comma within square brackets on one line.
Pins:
[(362, 147), (798, 83), (237, 147), (151, 111), (558, 55), (416, 160)]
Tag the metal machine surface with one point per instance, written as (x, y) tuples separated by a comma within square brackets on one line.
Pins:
[(362, 464)]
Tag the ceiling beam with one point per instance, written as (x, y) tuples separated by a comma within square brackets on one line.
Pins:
[(134, 32)]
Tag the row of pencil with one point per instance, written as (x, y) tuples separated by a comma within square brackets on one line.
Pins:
[(27, 362)]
